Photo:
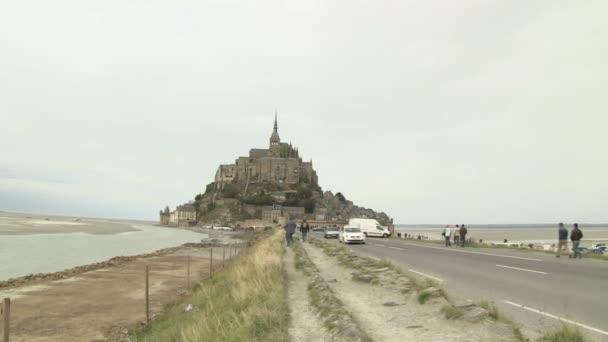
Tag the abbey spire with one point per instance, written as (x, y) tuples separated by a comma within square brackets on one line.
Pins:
[(275, 139)]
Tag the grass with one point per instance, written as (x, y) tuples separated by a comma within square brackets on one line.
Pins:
[(423, 297), (451, 312), (565, 333), (247, 301), (492, 310)]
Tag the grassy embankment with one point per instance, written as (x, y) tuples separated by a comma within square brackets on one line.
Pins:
[(247, 301)]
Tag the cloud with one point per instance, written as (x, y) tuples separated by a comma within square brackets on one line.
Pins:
[(476, 111)]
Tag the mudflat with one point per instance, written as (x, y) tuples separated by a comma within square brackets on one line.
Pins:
[(102, 305), (27, 224)]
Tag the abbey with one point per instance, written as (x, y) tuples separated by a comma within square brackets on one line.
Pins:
[(280, 163)]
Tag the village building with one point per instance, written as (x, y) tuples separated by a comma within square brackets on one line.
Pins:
[(165, 216), (279, 213), (183, 216)]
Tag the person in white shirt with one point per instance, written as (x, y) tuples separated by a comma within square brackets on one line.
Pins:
[(447, 234), (456, 234)]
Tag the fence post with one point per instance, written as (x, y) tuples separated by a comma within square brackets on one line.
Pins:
[(147, 294), (211, 263), (223, 256), (7, 318), (188, 273)]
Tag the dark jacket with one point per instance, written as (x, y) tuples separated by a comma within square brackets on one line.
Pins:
[(290, 227), (576, 234), (463, 231), (563, 234), (304, 228)]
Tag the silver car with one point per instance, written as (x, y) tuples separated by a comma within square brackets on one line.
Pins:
[(331, 233)]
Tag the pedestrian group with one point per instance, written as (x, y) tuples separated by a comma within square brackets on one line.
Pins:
[(459, 234)]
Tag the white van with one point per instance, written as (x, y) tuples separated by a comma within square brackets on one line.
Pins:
[(370, 227)]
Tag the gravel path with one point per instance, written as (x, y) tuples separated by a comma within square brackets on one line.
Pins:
[(304, 325)]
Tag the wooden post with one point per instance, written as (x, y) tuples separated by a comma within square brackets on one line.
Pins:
[(211, 263), (188, 274), (223, 256), (7, 318), (147, 294)]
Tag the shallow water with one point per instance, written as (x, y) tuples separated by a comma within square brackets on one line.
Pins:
[(38, 251)]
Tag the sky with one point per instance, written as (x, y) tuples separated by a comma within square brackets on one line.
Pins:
[(470, 111)]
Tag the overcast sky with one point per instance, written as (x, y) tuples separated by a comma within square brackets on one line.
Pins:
[(473, 111)]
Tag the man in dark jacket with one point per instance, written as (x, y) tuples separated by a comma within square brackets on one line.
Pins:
[(304, 228), (562, 239), (463, 235), (290, 229), (575, 236)]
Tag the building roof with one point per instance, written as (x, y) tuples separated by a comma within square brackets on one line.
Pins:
[(275, 133), (185, 207)]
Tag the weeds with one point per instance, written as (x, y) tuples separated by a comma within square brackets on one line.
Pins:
[(492, 310), (565, 333), (451, 312), (423, 297)]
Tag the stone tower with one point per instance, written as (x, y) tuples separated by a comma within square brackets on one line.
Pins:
[(275, 140)]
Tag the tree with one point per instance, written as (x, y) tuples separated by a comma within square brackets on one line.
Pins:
[(198, 197), (341, 197), (209, 188), (230, 191), (309, 205), (304, 193)]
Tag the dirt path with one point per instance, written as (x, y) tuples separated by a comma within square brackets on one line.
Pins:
[(304, 325), (102, 305), (385, 314)]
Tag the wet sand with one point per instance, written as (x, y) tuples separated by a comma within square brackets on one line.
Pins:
[(28, 224)]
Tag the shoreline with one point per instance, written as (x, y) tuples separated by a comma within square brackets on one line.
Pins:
[(35, 278)]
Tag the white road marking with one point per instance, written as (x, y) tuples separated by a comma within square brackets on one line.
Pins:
[(471, 252), (424, 275), (379, 245), (394, 247), (521, 269), (558, 318)]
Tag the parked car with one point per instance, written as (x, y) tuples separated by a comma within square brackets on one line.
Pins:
[(331, 233), (319, 229), (370, 227), (351, 234)]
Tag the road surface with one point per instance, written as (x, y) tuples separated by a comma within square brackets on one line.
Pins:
[(533, 288)]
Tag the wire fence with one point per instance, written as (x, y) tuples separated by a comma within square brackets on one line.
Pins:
[(226, 253)]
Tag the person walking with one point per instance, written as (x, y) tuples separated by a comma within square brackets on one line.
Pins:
[(304, 228), (447, 233), (463, 235), (290, 229), (562, 239), (575, 236), (456, 234)]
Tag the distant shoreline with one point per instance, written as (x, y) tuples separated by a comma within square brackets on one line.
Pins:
[(500, 225)]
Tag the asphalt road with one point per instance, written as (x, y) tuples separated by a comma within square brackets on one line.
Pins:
[(549, 287)]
